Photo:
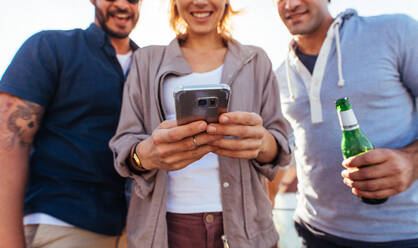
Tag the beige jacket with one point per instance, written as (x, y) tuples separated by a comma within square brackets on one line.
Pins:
[(246, 206)]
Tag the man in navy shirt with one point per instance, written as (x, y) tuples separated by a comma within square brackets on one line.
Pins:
[(60, 101)]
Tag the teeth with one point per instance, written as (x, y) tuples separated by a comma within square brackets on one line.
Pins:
[(201, 15), (122, 15)]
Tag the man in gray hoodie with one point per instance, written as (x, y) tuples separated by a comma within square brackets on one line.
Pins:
[(371, 60)]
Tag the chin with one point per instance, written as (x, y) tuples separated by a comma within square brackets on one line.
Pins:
[(299, 30), (115, 33)]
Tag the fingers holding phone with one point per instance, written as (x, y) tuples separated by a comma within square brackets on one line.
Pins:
[(173, 147), (244, 137)]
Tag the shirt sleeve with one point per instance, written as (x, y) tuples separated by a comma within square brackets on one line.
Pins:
[(131, 131), (33, 71), (409, 55), (273, 121)]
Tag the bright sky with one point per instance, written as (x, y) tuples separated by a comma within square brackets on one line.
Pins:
[(258, 25)]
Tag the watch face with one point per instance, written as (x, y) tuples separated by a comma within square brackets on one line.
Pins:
[(137, 161)]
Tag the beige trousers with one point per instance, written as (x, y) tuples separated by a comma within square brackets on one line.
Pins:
[(50, 236)]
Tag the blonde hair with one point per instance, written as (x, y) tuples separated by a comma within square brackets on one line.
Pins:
[(179, 26)]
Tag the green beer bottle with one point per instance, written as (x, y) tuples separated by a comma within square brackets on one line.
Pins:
[(353, 140)]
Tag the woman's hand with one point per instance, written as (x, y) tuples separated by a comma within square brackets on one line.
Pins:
[(250, 140), (173, 147)]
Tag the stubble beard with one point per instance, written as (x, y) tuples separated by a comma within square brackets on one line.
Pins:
[(102, 19)]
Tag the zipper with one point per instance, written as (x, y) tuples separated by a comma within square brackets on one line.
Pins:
[(225, 241)]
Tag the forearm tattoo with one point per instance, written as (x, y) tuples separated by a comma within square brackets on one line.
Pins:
[(21, 123)]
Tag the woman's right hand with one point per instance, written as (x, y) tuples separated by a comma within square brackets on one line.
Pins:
[(173, 147)]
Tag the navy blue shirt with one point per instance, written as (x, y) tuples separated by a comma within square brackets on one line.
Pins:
[(307, 60), (75, 76)]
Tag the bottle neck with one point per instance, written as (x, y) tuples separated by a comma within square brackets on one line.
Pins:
[(348, 120)]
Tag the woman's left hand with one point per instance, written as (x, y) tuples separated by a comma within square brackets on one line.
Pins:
[(250, 140)]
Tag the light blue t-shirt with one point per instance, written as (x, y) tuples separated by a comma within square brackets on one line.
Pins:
[(379, 61)]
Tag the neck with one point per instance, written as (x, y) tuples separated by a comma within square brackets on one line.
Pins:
[(121, 45), (204, 42), (311, 43)]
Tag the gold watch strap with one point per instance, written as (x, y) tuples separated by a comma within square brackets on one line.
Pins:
[(135, 159)]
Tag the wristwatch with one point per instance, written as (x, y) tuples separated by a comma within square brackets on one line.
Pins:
[(135, 161)]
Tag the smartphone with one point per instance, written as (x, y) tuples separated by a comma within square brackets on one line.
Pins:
[(201, 102)]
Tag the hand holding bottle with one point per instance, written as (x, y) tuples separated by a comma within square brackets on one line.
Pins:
[(393, 172)]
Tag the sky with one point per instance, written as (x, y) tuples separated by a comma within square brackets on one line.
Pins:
[(258, 24)]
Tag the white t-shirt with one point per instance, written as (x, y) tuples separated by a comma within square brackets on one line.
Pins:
[(196, 188), (125, 61)]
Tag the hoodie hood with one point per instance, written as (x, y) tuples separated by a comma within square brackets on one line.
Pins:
[(313, 82)]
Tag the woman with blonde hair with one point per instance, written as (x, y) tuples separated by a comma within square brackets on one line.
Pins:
[(201, 184)]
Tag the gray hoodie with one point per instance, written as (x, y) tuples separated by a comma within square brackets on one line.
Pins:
[(373, 61)]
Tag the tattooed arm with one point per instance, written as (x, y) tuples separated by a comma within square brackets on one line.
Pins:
[(19, 121)]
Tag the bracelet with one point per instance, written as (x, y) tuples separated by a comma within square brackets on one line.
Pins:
[(136, 165)]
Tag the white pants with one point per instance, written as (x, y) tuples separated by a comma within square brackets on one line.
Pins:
[(284, 209)]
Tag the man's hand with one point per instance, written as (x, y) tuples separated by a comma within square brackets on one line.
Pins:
[(173, 147), (391, 172), (250, 139)]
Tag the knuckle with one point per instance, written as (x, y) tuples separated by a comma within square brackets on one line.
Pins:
[(368, 158), (259, 143), (189, 143), (171, 135), (155, 138), (363, 174), (397, 169), (167, 161), (242, 131), (354, 175), (260, 132), (399, 181), (257, 118), (371, 186), (162, 153)]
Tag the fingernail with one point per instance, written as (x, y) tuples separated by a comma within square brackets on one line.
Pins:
[(344, 173), (202, 125), (346, 182), (211, 129), (224, 119)]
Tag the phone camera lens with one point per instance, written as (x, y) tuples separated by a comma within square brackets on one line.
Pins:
[(212, 102), (202, 102)]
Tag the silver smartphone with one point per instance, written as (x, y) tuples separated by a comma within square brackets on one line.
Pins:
[(201, 102)]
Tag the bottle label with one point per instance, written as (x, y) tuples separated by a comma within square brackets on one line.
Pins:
[(348, 120)]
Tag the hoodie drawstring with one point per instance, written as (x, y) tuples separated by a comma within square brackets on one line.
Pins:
[(341, 80), (289, 80), (318, 74)]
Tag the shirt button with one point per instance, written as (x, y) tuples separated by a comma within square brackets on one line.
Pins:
[(209, 218), (226, 184)]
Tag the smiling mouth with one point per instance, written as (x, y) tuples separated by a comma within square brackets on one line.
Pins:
[(295, 15), (201, 14), (120, 15)]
